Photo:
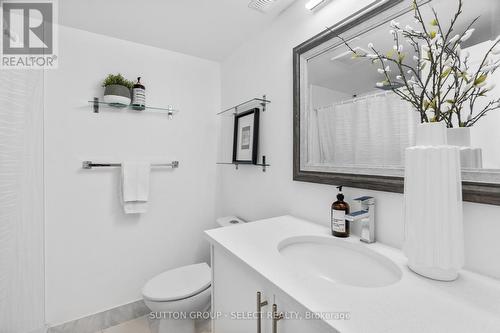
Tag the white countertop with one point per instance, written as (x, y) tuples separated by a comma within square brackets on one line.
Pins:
[(471, 304)]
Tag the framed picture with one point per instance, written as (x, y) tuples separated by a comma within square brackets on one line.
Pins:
[(246, 137)]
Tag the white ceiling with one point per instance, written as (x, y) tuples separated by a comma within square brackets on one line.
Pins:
[(209, 29)]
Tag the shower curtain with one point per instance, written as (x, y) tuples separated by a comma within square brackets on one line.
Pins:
[(21, 202), (370, 131)]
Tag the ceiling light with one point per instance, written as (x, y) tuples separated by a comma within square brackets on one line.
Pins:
[(261, 5), (312, 4)]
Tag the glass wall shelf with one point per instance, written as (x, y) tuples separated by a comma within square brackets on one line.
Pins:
[(226, 132), (245, 106), (98, 104), (263, 165)]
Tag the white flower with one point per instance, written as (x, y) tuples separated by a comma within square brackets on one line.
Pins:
[(399, 77), (395, 24), (381, 71), (392, 32), (454, 39), (370, 45), (487, 69), (490, 68), (416, 58), (469, 85), (400, 48), (371, 56), (380, 84), (430, 113), (395, 47), (388, 69), (435, 39), (467, 35), (490, 87), (496, 51), (409, 72)]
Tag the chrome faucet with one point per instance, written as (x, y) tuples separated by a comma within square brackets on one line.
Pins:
[(367, 217)]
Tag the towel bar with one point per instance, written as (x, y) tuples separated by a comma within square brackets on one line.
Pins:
[(90, 164)]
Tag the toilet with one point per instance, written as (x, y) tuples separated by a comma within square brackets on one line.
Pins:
[(175, 296)]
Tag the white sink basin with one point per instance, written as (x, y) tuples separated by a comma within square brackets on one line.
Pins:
[(340, 261)]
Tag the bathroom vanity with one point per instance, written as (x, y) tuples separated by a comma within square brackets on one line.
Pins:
[(319, 283)]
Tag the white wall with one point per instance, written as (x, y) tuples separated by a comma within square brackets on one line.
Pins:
[(264, 65), (96, 256)]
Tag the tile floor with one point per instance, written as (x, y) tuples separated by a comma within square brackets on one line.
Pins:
[(141, 325)]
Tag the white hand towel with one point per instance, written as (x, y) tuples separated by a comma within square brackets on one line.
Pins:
[(135, 186)]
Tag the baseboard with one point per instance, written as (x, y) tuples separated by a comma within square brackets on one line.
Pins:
[(100, 321)]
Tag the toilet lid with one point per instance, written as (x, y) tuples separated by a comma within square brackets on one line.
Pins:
[(178, 283)]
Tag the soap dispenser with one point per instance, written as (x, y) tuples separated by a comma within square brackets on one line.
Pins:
[(139, 96), (340, 208)]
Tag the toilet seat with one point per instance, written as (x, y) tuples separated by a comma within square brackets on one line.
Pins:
[(178, 283)]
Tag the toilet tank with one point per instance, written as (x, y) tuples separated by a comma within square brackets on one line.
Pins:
[(229, 221)]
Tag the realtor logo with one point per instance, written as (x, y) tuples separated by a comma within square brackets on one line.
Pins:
[(28, 39)]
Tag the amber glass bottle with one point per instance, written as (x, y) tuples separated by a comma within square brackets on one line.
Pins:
[(340, 208)]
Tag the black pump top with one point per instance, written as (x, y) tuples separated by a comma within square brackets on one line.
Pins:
[(139, 84), (340, 196)]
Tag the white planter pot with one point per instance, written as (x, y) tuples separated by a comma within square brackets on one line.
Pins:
[(470, 158), (433, 205)]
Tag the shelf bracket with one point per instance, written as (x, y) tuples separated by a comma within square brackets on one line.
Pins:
[(263, 104), (96, 105)]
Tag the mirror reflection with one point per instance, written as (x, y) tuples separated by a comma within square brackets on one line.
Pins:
[(359, 114)]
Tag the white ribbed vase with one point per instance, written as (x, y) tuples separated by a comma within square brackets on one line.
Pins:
[(470, 157), (434, 240)]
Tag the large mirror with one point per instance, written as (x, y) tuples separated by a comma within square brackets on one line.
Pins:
[(352, 128)]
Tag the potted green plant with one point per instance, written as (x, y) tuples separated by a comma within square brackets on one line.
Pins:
[(117, 90)]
